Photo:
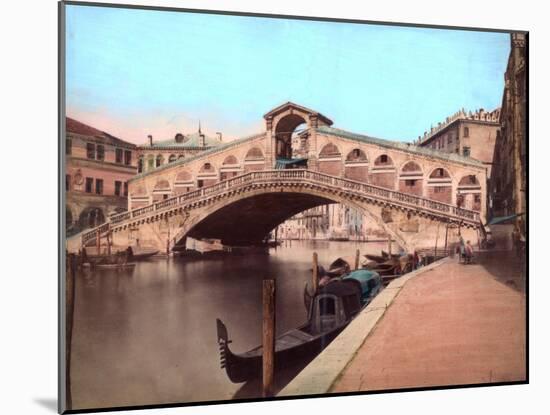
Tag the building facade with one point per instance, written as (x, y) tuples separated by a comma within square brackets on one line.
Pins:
[(508, 182), (154, 154), (468, 134), (98, 167)]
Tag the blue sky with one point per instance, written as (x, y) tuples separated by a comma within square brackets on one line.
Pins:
[(138, 72)]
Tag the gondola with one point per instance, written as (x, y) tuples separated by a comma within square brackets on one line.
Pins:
[(376, 258), (331, 309)]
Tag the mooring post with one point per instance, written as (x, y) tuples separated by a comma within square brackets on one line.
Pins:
[(98, 242), (69, 316), (357, 259), (268, 343), (315, 274)]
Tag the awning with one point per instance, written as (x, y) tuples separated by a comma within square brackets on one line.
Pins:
[(503, 219), (287, 163)]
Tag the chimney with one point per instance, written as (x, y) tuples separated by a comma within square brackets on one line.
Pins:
[(150, 137), (219, 136)]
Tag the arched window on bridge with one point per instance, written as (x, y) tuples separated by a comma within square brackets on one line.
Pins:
[(207, 175), (382, 173), (184, 182), (138, 197), (172, 158), (330, 160), (469, 193), (356, 165), (159, 160), (440, 185), (161, 190), (254, 160), (410, 179), (230, 167), (140, 164)]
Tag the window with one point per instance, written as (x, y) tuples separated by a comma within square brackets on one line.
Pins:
[(125, 188), (100, 152), (117, 187), (98, 186), (472, 179), (466, 132), (439, 172), (140, 165), (67, 182), (127, 157), (89, 184), (410, 183), (90, 150), (172, 158), (150, 163), (118, 155), (466, 151), (158, 161), (383, 158), (450, 139), (68, 146)]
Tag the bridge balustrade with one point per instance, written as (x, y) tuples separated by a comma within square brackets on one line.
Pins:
[(290, 175)]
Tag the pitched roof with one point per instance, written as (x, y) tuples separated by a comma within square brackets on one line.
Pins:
[(77, 127), (403, 146), (288, 104)]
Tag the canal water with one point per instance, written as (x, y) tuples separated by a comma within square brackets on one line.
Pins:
[(148, 336)]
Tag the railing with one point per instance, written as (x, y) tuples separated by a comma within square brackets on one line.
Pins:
[(291, 175)]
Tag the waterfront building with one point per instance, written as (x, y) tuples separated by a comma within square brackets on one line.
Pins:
[(98, 167), (153, 154), (331, 222), (508, 182)]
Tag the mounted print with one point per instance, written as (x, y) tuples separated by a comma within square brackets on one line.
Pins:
[(269, 207)]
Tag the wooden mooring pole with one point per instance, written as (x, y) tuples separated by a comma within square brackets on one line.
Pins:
[(268, 335), (70, 275), (357, 253), (315, 273)]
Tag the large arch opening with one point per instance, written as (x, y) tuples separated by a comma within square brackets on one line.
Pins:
[(291, 138)]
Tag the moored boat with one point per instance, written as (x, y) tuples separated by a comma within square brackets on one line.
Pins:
[(331, 309)]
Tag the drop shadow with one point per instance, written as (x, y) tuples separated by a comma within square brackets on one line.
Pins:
[(48, 403)]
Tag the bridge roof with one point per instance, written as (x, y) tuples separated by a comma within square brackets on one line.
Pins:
[(186, 160), (403, 146), (189, 141)]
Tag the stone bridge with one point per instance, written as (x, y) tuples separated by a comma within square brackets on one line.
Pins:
[(240, 191)]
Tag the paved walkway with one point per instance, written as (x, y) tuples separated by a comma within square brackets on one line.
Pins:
[(454, 324)]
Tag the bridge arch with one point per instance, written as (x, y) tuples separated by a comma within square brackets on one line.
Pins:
[(440, 185), (468, 193), (183, 182), (254, 159), (257, 213), (330, 159), (411, 178), (230, 167), (207, 175), (161, 190), (284, 129), (383, 171), (356, 165)]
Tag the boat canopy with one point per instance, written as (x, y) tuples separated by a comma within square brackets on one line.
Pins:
[(368, 280)]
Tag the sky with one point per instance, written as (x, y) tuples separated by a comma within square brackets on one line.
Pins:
[(133, 73)]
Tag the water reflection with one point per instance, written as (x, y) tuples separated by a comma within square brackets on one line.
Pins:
[(148, 335)]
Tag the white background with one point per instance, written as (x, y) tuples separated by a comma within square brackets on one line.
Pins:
[(28, 231)]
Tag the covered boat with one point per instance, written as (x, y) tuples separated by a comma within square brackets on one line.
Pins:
[(331, 309)]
